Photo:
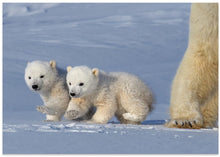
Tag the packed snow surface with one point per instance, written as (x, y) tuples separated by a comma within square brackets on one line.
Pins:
[(147, 40)]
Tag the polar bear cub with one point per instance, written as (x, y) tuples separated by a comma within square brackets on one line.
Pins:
[(43, 77), (116, 93)]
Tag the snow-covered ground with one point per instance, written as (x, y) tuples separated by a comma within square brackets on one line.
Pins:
[(147, 40)]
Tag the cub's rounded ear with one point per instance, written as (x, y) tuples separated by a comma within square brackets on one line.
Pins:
[(53, 64), (95, 72), (28, 63), (68, 68)]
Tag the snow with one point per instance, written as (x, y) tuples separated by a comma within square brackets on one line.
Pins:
[(147, 40), (37, 137), (25, 9)]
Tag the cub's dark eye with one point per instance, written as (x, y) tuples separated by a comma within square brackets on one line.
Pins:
[(70, 83), (29, 77), (81, 84), (42, 76)]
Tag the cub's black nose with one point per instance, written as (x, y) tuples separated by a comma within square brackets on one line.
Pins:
[(72, 94), (34, 86)]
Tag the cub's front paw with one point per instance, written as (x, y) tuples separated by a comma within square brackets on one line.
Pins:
[(72, 114), (186, 124), (41, 109), (46, 110)]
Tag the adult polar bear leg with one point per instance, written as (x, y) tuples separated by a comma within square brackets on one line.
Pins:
[(210, 111), (190, 91), (196, 80)]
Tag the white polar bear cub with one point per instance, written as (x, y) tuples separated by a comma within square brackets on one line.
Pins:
[(116, 93), (43, 78)]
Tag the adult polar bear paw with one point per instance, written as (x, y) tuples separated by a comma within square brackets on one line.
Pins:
[(187, 124)]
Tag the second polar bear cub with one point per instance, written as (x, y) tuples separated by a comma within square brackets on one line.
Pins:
[(43, 77), (116, 93)]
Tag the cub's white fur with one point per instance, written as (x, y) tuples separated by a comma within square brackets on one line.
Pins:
[(120, 94), (43, 77)]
